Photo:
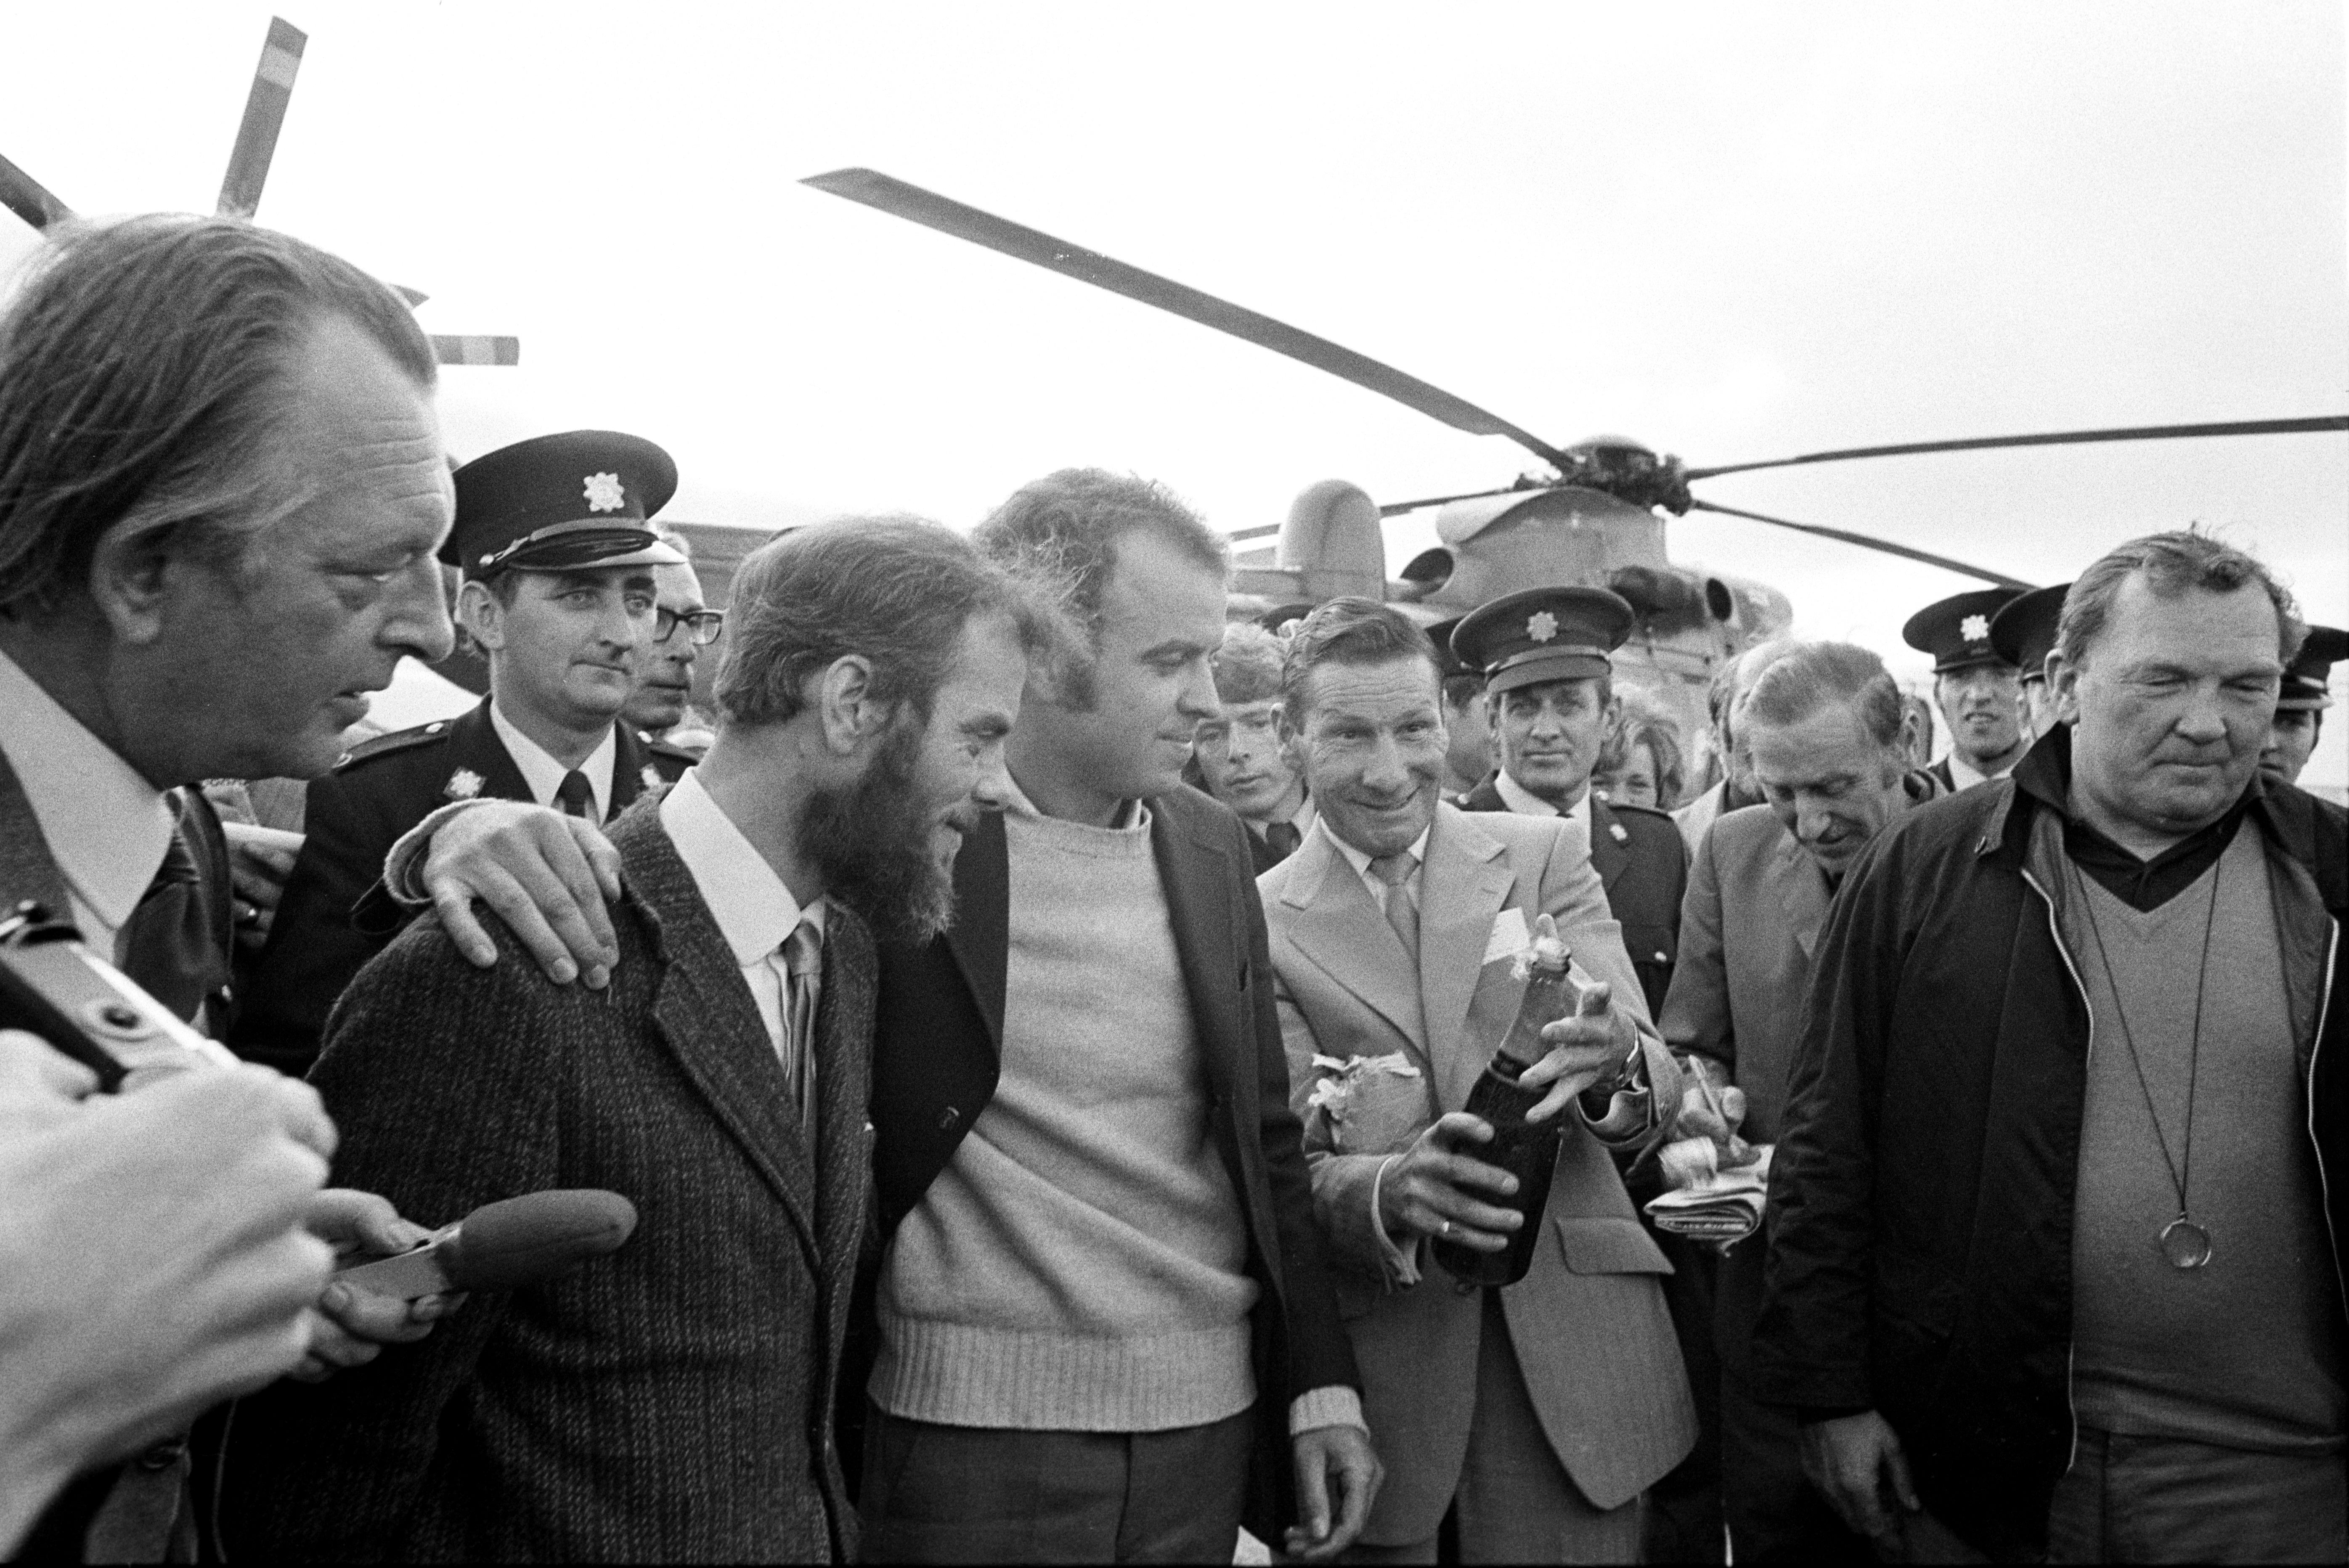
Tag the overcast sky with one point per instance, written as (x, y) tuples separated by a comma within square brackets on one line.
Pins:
[(1730, 231)]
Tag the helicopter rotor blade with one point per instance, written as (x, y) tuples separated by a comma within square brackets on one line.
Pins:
[(265, 112), (1865, 542), (948, 216), (2046, 438), (413, 296), (1399, 508), (29, 199)]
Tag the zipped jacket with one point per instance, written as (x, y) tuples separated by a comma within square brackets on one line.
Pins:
[(1921, 1195)]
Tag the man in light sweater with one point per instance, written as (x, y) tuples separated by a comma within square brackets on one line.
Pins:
[(1105, 1330)]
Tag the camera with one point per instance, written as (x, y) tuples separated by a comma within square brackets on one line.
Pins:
[(53, 985)]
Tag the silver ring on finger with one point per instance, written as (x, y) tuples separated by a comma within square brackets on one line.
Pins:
[(1442, 1227)]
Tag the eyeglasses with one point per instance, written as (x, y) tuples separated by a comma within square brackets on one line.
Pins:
[(701, 625)]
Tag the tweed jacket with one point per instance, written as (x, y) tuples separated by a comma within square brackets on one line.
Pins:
[(672, 1401), (1588, 1322), (334, 916), (937, 1051), (1643, 865)]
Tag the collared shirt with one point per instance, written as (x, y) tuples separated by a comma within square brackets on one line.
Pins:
[(2046, 775), (1302, 820), (107, 828), (754, 911), (1965, 775), (1361, 865), (1524, 802), (544, 774)]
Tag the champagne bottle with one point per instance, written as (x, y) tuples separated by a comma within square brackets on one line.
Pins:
[(1529, 1152)]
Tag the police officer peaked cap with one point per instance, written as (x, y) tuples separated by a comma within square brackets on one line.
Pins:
[(2022, 633), (1543, 634), (566, 502), (2305, 678), (1956, 630), (1446, 660)]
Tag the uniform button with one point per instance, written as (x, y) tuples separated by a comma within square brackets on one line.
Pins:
[(948, 1118)]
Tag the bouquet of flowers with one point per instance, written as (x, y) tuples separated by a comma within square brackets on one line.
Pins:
[(1367, 1105)]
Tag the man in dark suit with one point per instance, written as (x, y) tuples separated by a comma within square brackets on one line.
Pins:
[(1105, 1321), (1244, 756), (558, 557), (1545, 655), (672, 1402), (235, 387)]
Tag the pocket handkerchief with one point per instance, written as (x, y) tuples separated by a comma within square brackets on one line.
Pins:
[(1509, 937)]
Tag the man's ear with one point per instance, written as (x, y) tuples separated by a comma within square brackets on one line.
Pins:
[(845, 702), (482, 615), (2064, 684), (132, 574)]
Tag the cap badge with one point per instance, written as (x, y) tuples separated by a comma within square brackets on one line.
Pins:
[(1974, 628), (1541, 625), (604, 493), (463, 785)]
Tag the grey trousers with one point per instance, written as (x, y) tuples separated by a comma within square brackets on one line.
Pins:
[(1515, 1501), (987, 1494), (2164, 1499)]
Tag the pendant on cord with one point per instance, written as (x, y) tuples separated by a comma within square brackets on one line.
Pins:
[(2186, 1244)]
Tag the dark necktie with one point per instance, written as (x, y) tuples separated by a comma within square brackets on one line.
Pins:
[(573, 797), (168, 944), (1282, 838)]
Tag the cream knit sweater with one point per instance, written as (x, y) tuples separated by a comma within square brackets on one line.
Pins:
[(1080, 1264)]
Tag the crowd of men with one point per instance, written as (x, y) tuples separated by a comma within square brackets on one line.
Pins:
[(1033, 1023)]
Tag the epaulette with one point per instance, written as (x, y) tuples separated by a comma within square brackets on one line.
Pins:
[(367, 750), (659, 747)]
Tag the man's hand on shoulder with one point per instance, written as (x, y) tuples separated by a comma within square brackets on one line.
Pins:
[(547, 875), (1332, 1464)]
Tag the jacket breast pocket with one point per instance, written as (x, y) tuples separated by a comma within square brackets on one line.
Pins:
[(1603, 1244)]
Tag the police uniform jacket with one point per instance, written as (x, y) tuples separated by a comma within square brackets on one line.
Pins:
[(322, 935), (1643, 865)]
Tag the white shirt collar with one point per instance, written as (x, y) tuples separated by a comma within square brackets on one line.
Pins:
[(753, 909), (1361, 862), (544, 774), (107, 828), (1525, 803), (1966, 775)]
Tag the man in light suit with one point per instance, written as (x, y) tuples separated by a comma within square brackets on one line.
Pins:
[(1545, 1407), (1826, 732), (674, 1401)]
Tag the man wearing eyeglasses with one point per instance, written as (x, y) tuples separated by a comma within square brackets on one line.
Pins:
[(683, 624), (554, 539)]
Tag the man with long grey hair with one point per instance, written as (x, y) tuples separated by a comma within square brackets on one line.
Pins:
[(2039, 1283)]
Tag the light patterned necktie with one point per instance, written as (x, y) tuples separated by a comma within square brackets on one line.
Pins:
[(1402, 914), (803, 963)]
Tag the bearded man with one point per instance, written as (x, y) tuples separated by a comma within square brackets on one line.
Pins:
[(675, 1402)]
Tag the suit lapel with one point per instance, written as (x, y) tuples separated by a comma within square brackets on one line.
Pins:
[(980, 936), (1339, 927), (473, 743), (1196, 875), (1463, 885), (709, 1022), (1608, 856), (627, 771), (27, 870)]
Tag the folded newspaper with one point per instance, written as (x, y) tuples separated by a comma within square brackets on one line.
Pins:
[(1710, 1201)]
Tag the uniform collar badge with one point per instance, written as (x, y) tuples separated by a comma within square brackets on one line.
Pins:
[(463, 785), (651, 776)]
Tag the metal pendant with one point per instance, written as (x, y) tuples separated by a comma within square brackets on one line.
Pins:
[(2186, 1244)]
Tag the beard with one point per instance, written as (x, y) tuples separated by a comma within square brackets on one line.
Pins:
[(870, 841)]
